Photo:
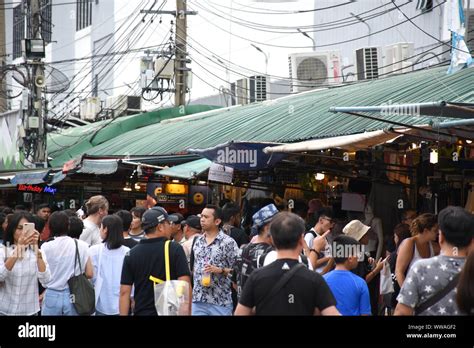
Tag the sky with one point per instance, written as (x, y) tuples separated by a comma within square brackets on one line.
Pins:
[(212, 33)]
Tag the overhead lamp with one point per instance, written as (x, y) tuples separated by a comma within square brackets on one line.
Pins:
[(469, 141), (319, 176), (434, 156)]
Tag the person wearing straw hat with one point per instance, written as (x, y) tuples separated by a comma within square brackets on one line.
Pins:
[(368, 268)]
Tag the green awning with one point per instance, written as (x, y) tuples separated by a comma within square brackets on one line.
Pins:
[(73, 142), (188, 170), (299, 117)]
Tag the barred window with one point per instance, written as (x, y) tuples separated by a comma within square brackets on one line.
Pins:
[(18, 31), (83, 14)]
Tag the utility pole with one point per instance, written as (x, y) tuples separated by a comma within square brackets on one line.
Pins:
[(36, 107), (3, 84), (180, 69)]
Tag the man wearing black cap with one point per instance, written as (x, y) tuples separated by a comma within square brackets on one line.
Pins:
[(147, 260), (192, 228), (177, 233)]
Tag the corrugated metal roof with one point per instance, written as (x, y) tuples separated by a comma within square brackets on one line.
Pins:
[(76, 141), (297, 117)]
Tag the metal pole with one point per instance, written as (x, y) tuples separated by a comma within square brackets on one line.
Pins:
[(266, 57), (309, 37), (38, 73), (362, 21), (180, 71), (3, 84)]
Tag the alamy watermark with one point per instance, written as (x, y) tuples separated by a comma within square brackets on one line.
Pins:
[(390, 109), (345, 251)]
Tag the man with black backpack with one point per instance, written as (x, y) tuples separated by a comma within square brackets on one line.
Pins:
[(286, 287), (250, 253)]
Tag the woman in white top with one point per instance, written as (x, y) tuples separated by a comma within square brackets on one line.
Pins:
[(61, 256), (107, 260), (97, 207), (424, 230), (21, 266)]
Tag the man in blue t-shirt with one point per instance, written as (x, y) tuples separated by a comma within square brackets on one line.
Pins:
[(350, 290)]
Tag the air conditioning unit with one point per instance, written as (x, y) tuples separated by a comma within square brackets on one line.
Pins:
[(164, 68), (123, 105), (368, 63), (396, 58), (314, 69), (89, 108), (241, 91), (257, 88), (249, 90)]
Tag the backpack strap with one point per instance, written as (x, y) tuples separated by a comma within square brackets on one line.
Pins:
[(77, 258), (438, 296), (282, 282)]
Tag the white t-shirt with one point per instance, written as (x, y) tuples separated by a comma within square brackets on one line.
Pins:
[(61, 253), (107, 279), (272, 256), (91, 233), (309, 237)]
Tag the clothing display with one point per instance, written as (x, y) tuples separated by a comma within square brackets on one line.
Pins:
[(470, 200)]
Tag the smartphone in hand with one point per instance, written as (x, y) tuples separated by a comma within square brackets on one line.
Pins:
[(28, 229)]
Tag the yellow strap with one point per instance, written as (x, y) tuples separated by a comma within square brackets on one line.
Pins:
[(156, 280), (167, 265), (167, 260)]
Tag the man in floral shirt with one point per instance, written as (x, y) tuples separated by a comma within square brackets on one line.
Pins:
[(214, 255)]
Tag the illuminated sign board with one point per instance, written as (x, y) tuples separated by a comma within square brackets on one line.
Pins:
[(51, 190)]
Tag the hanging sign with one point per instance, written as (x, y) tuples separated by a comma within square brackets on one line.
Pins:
[(243, 156), (220, 173)]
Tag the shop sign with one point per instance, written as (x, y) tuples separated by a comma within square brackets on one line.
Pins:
[(162, 198), (37, 189), (220, 173)]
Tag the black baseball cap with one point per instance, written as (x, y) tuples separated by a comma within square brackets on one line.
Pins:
[(156, 215), (179, 216), (193, 221)]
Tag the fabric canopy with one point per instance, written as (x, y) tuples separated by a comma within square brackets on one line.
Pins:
[(31, 178), (186, 170), (98, 166), (351, 142)]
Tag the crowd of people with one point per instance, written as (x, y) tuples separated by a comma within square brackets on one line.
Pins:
[(287, 262)]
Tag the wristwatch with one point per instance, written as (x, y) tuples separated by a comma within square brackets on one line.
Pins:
[(224, 273)]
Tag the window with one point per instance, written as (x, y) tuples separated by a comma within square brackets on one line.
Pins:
[(18, 31), (19, 26), (46, 24), (83, 14)]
